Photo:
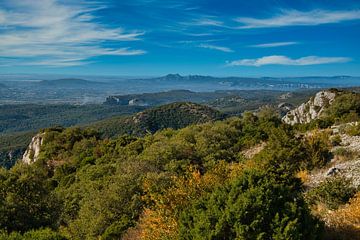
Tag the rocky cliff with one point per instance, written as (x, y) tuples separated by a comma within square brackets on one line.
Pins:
[(310, 110), (32, 152)]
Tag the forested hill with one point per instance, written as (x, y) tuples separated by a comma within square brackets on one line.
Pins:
[(174, 115)]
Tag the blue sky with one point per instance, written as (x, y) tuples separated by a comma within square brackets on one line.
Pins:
[(157, 37)]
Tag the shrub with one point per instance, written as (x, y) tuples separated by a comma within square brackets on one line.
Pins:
[(317, 148), (332, 192), (345, 108), (344, 154), (344, 223), (353, 130), (256, 205), (41, 234), (336, 140), (303, 175)]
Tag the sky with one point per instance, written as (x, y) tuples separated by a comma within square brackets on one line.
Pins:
[(158, 37)]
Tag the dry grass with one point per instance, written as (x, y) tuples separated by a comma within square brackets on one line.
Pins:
[(344, 223)]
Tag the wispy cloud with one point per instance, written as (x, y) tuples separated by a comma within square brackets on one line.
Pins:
[(52, 33), (273, 44), (215, 47), (208, 22), (298, 18), (205, 21), (283, 60)]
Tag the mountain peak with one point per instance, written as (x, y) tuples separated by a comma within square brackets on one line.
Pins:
[(173, 76)]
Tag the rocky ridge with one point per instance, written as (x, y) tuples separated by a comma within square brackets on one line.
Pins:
[(310, 110)]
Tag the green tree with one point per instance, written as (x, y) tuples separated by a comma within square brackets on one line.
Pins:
[(257, 205), (26, 199)]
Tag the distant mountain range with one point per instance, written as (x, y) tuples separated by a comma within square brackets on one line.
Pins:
[(83, 91), (247, 83), (69, 82)]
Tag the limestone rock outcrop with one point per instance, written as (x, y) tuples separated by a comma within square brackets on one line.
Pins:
[(310, 110), (31, 154)]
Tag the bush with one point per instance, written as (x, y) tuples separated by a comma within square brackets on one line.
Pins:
[(345, 108), (344, 154), (26, 200), (317, 148), (256, 205), (333, 193), (353, 130), (336, 140), (41, 234)]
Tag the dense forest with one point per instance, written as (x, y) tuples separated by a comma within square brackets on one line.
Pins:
[(235, 178)]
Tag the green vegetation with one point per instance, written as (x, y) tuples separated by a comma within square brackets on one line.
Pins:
[(41, 234), (172, 172), (257, 205), (19, 123), (12, 147), (86, 187), (175, 116), (17, 118), (353, 130), (345, 108), (333, 193)]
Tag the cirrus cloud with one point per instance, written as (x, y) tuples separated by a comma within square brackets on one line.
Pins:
[(299, 18), (54, 33), (273, 44), (284, 60), (215, 47)]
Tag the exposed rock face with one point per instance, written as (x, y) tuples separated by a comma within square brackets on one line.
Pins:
[(32, 152), (284, 108), (350, 169), (310, 110), (137, 102), (285, 96), (251, 152)]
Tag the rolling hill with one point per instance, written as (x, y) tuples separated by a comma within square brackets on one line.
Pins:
[(174, 115)]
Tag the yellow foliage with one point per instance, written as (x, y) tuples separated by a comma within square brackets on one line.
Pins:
[(161, 220), (344, 223), (322, 135), (303, 175)]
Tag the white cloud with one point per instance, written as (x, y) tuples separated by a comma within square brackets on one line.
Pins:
[(50, 32), (215, 47), (283, 60), (298, 18), (273, 44), (205, 21), (208, 22)]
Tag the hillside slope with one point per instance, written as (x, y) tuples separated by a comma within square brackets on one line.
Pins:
[(175, 115)]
